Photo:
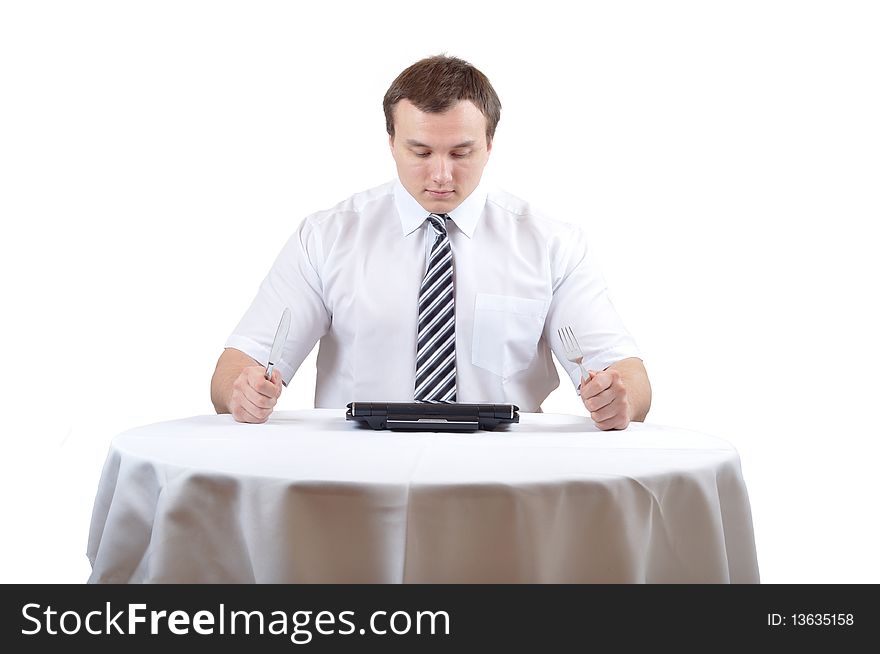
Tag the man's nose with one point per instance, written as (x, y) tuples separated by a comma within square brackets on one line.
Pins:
[(442, 171)]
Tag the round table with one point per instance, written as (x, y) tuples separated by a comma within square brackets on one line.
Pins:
[(311, 497)]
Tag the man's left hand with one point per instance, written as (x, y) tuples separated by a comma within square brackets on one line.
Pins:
[(606, 399)]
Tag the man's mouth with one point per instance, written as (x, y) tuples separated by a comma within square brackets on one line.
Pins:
[(439, 194)]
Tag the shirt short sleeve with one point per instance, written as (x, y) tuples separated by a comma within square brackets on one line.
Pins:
[(293, 281), (581, 301)]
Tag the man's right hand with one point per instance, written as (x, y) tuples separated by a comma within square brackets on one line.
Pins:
[(253, 396)]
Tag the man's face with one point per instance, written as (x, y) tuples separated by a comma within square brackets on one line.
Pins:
[(440, 157)]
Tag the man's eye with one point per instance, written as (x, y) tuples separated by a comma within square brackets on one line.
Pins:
[(460, 155), (422, 154)]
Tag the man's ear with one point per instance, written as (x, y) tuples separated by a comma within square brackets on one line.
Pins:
[(391, 141), (488, 146)]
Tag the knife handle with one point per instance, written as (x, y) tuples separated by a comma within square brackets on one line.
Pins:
[(269, 370)]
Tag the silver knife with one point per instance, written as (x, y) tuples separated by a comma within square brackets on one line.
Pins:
[(278, 343)]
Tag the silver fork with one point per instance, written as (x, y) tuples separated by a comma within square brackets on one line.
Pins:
[(573, 350)]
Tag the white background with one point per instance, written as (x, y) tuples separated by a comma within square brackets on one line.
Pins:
[(724, 158)]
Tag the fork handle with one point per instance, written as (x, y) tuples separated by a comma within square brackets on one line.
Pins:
[(585, 374)]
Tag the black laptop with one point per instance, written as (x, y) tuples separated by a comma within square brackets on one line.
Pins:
[(432, 416)]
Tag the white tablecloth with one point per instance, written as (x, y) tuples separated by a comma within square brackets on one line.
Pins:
[(311, 497)]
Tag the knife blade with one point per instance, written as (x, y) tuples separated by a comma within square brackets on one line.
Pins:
[(278, 343)]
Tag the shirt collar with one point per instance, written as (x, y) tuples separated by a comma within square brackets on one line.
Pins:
[(466, 215)]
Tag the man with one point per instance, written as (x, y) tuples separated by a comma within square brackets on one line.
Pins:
[(433, 287)]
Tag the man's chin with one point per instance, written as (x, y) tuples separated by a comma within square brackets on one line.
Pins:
[(440, 204)]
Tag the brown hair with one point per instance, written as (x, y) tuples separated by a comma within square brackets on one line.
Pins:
[(436, 83)]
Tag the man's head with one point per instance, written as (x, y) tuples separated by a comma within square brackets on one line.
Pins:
[(441, 114)]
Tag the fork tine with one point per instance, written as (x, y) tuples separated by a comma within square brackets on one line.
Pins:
[(576, 344), (569, 341), (563, 336)]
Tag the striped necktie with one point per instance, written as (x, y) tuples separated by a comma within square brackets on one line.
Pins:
[(435, 354)]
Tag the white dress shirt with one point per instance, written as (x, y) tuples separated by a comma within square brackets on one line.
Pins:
[(351, 277)]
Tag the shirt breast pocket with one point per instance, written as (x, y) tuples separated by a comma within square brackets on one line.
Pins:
[(506, 332)]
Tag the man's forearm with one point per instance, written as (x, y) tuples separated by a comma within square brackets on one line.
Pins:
[(229, 366), (638, 387)]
